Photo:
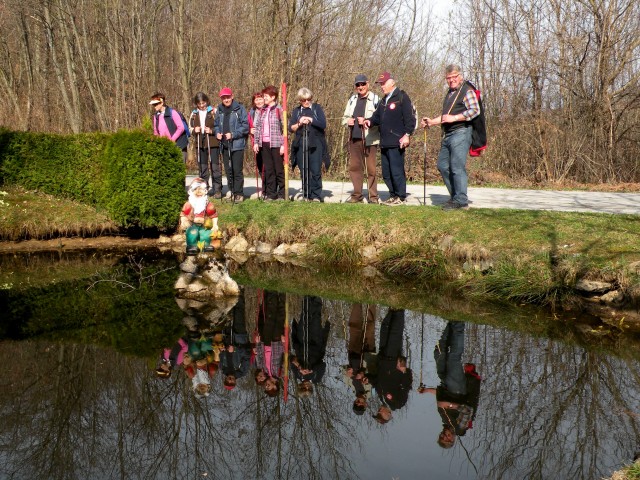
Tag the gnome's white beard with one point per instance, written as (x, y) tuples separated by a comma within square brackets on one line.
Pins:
[(198, 203)]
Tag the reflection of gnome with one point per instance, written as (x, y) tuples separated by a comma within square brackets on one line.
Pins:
[(199, 219)]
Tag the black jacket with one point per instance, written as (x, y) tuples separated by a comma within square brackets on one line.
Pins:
[(395, 118)]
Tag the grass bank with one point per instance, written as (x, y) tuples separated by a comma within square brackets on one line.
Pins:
[(519, 256), (523, 256)]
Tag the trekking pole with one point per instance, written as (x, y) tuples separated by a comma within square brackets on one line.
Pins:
[(346, 160), (306, 187), (424, 170), (232, 177), (209, 163)]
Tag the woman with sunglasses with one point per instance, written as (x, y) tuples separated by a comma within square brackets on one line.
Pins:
[(308, 122)]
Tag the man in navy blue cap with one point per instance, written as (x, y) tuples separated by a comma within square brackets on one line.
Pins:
[(396, 120)]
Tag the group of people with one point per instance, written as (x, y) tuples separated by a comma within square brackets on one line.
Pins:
[(374, 122)]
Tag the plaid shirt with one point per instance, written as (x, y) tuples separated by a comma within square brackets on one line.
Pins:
[(274, 114), (471, 102), (277, 354)]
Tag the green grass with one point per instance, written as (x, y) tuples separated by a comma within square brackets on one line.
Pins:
[(536, 256), (29, 214)]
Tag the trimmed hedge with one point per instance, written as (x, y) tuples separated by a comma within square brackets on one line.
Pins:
[(137, 179)]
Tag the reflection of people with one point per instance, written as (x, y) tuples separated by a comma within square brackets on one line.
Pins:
[(234, 360), (394, 379), (459, 390), (169, 358), (459, 108), (309, 340), (200, 371), (361, 353), (269, 342)]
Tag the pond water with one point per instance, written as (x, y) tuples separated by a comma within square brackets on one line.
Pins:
[(370, 392)]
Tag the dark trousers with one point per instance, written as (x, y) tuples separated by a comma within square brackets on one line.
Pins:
[(392, 160), (233, 168), (273, 172), (208, 165), (260, 170), (311, 171)]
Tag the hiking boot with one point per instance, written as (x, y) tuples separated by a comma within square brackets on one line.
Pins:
[(319, 200), (455, 206), (390, 201), (354, 200), (239, 198), (228, 195), (374, 200), (397, 202), (217, 195)]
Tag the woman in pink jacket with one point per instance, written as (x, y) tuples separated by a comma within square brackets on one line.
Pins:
[(167, 123)]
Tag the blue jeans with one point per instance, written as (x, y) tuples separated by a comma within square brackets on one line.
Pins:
[(452, 163), (392, 160)]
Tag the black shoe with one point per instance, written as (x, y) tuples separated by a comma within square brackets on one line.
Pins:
[(192, 250), (209, 248), (455, 206)]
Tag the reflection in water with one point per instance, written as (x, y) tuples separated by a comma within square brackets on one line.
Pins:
[(459, 390), (548, 409)]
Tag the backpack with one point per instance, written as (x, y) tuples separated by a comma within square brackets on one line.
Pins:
[(170, 122), (414, 112), (479, 134)]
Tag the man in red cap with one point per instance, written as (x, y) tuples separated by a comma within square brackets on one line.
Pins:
[(396, 120), (231, 129)]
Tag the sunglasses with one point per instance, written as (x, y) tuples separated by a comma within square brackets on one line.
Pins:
[(361, 84)]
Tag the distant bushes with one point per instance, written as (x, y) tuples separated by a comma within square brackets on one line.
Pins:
[(137, 179)]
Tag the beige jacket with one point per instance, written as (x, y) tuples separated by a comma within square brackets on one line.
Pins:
[(372, 135)]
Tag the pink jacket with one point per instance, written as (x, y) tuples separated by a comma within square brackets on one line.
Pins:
[(161, 129)]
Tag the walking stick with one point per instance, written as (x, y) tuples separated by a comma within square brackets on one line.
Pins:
[(285, 134), (209, 163), (286, 348), (306, 187), (424, 171), (232, 177), (346, 160)]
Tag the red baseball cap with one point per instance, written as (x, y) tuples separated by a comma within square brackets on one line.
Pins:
[(383, 77), (226, 92)]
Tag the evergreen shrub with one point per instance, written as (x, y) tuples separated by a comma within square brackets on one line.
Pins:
[(137, 179)]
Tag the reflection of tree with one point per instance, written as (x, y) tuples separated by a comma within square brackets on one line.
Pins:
[(551, 409), (548, 410)]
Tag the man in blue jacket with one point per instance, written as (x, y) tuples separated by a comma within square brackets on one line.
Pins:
[(231, 128), (396, 120)]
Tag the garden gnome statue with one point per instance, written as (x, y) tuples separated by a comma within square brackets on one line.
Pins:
[(199, 219)]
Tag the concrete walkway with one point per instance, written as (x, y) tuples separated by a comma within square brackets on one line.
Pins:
[(565, 200)]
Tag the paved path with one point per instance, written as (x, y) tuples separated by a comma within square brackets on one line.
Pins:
[(565, 200)]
